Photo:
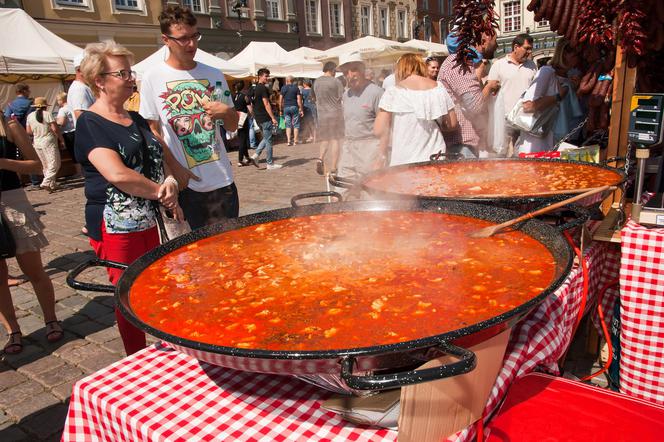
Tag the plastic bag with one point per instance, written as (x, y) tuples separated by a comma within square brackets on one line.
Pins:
[(282, 123)]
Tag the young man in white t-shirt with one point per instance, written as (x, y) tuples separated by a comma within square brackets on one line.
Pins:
[(176, 99)]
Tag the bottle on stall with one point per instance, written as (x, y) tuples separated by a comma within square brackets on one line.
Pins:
[(221, 95)]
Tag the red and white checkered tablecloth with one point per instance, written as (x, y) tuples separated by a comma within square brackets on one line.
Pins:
[(642, 312), (163, 395), (159, 394)]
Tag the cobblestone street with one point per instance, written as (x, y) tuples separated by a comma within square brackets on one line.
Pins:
[(35, 385)]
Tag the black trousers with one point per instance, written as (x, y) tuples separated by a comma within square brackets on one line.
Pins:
[(243, 138), (204, 208)]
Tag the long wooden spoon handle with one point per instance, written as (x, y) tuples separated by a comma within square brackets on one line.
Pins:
[(553, 206)]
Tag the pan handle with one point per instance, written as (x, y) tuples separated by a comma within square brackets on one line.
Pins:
[(466, 363), (96, 262), (582, 215), (338, 181), (445, 156), (295, 200)]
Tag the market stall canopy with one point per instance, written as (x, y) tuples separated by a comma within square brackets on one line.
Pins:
[(429, 47), (306, 53), (280, 62), (228, 68), (30, 48), (369, 48)]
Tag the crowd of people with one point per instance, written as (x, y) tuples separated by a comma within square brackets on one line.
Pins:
[(145, 155)]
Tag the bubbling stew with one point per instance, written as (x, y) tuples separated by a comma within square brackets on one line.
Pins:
[(340, 281), (491, 179)]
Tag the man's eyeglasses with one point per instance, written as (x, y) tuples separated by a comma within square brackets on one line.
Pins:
[(186, 38), (124, 74)]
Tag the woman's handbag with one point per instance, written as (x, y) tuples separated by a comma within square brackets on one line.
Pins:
[(7, 243), (538, 124)]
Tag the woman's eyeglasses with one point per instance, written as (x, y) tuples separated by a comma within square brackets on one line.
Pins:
[(186, 38), (124, 74)]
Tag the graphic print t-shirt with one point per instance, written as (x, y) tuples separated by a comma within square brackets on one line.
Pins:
[(121, 212), (175, 98)]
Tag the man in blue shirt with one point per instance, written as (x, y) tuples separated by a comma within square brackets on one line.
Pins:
[(19, 108), (291, 108)]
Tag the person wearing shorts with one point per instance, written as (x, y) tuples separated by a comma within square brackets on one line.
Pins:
[(328, 92), (290, 101)]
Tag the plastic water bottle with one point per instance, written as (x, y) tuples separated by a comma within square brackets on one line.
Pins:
[(221, 95)]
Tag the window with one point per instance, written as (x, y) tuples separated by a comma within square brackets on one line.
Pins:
[(450, 7), (273, 9), (365, 20), (383, 22), (232, 12), (425, 5), (336, 18), (72, 2), (441, 6), (543, 24), (194, 5), (127, 4), (512, 16), (401, 24), (311, 16)]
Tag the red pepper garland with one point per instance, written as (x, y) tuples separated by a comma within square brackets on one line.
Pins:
[(474, 18)]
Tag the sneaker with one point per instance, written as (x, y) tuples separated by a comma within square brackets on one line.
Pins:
[(254, 160), (320, 167), (274, 166)]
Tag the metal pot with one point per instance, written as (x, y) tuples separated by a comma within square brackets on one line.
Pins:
[(521, 202), (357, 367)]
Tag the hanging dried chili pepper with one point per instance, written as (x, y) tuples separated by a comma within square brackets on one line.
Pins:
[(474, 19)]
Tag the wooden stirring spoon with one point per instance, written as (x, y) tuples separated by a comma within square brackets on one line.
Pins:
[(491, 230)]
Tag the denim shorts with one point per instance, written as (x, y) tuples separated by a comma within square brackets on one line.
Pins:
[(292, 115)]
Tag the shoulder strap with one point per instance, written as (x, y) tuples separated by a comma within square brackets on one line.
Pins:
[(147, 168)]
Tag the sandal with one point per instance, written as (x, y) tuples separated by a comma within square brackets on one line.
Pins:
[(320, 167), (15, 344), (54, 331)]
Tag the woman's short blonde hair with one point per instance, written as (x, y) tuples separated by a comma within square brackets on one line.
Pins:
[(95, 56), (558, 59), (409, 64)]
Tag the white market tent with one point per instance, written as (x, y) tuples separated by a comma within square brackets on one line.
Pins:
[(376, 52), (32, 54), (429, 47), (281, 63), (306, 53), (228, 68)]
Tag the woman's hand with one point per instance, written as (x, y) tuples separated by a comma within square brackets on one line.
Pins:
[(529, 106), (168, 193)]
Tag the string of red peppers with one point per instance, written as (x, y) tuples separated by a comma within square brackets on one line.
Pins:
[(473, 19)]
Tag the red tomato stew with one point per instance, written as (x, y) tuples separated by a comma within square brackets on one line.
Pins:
[(491, 178), (339, 281)]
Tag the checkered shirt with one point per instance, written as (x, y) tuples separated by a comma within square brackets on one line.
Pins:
[(473, 120)]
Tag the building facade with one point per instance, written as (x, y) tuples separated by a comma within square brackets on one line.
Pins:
[(132, 23), (227, 25), (433, 19), (388, 19), (323, 24), (516, 19)]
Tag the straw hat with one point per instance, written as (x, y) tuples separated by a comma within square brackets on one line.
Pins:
[(40, 102)]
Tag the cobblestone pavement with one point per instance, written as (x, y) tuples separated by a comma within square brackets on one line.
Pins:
[(35, 385)]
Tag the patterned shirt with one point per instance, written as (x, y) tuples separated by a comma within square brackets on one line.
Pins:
[(466, 92)]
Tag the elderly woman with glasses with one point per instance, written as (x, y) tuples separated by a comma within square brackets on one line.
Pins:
[(124, 170)]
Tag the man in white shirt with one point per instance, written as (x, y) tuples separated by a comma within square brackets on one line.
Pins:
[(177, 100), (79, 96), (511, 75)]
